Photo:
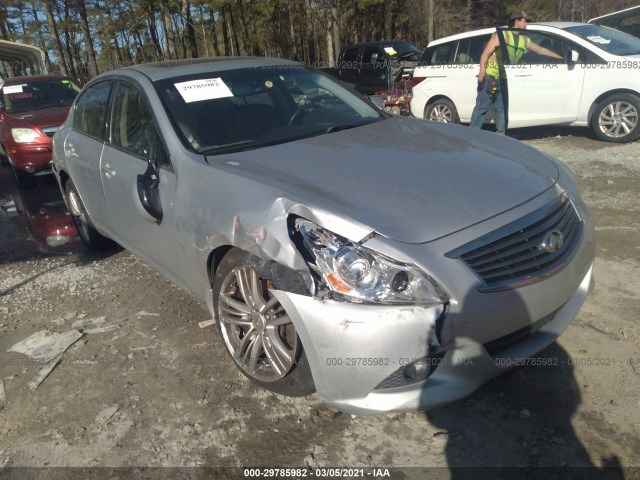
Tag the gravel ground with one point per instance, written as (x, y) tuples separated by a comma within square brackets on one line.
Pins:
[(153, 389)]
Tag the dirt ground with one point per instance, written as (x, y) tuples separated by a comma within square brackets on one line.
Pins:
[(156, 390)]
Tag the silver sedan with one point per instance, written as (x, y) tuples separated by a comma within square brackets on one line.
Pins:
[(387, 263)]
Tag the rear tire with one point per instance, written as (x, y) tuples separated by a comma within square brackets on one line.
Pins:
[(91, 238), (256, 330), (442, 110), (616, 118)]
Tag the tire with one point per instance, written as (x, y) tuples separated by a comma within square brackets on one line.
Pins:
[(616, 118), (88, 234), (443, 111), (256, 330)]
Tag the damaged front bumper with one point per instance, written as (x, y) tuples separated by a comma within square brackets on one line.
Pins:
[(359, 354)]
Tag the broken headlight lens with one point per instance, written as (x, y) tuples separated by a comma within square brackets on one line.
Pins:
[(356, 273)]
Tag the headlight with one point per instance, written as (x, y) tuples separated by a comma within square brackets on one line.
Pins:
[(24, 135), (356, 273)]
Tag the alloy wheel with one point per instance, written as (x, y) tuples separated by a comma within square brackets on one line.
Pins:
[(441, 113), (618, 119), (255, 327)]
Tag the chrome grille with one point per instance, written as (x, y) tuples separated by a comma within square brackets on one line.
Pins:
[(527, 250), (50, 131)]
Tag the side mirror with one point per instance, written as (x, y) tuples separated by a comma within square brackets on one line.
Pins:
[(574, 56), (148, 193), (374, 58)]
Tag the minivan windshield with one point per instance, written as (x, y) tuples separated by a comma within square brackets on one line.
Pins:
[(610, 40), (241, 109), (38, 95)]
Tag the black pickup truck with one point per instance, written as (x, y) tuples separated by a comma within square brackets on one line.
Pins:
[(374, 66)]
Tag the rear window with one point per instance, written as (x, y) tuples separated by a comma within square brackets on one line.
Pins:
[(438, 54)]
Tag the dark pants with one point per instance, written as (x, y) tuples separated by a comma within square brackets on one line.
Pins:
[(483, 101)]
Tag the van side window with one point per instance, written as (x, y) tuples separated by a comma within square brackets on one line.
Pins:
[(470, 49), (438, 55)]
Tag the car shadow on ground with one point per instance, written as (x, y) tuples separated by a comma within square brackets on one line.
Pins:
[(524, 419)]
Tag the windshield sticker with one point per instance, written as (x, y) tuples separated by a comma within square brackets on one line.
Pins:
[(207, 89), (64, 81), (390, 50), (268, 84), (599, 39), (12, 89)]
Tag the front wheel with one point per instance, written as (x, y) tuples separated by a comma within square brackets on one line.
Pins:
[(442, 110), (615, 118), (256, 330)]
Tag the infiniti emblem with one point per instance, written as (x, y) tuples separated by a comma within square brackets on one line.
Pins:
[(552, 242)]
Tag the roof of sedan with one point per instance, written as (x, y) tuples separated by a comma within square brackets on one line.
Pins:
[(173, 68)]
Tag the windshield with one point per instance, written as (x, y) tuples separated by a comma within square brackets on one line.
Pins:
[(30, 96), (403, 49), (242, 109), (610, 40)]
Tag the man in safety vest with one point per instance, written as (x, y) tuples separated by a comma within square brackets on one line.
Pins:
[(492, 70)]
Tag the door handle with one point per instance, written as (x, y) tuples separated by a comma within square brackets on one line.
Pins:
[(523, 75), (109, 172)]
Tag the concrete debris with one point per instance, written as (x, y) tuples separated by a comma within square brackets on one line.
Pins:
[(135, 349), (71, 315), (88, 322), (118, 336), (206, 323), (105, 329), (142, 313), (105, 415), (3, 395), (44, 346), (44, 373)]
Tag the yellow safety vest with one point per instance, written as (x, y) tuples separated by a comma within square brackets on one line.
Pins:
[(516, 47)]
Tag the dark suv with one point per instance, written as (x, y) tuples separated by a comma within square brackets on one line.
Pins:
[(31, 109)]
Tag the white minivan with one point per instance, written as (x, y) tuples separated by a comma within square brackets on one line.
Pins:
[(597, 84)]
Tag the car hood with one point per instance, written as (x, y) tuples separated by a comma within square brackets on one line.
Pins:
[(47, 117), (410, 180)]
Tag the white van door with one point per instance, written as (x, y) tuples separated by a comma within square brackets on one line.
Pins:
[(542, 89)]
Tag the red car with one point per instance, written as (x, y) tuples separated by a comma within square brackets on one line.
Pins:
[(31, 110)]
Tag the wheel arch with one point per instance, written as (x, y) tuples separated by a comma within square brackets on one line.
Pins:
[(606, 94), (435, 98), (214, 259)]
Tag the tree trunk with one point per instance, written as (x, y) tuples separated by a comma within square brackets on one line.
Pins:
[(431, 17), (191, 32), (330, 52), (168, 29), (311, 20), (214, 33), (336, 30), (234, 33), (91, 53), (55, 37), (228, 48), (388, 20)]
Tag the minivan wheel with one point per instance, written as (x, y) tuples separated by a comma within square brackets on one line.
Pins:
[(442, 110), (256, 330), (88, 234), (615, 118)]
